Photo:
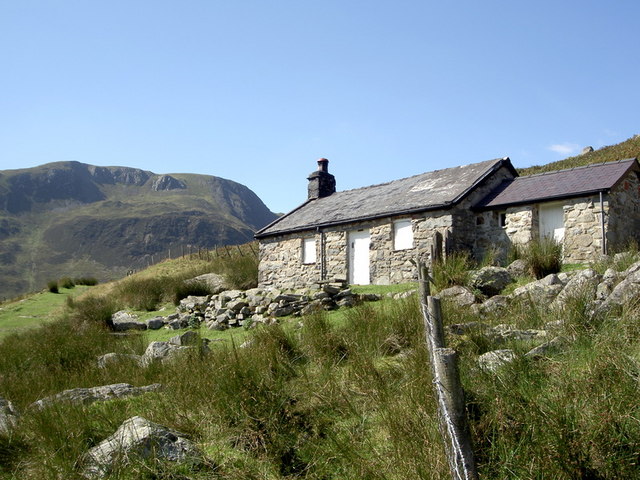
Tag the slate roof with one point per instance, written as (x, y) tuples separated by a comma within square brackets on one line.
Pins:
[(427, 191), (574, 182)]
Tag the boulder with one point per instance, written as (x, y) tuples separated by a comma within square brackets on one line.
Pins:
[(462, 296), (155, 323), (161, 351), (123, 321), (552, 346), (491, 280), (583, 284), (495, 304), (8, 416), (114, 358), (87, 396), (492, 361), (193, 302), (518, 268), (139, 438), (187, 338), (213, 281)]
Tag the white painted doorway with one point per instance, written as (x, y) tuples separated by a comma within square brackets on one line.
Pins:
[(359, 257), (552, 222)]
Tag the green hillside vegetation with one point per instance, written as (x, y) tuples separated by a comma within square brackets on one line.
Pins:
[(346, 395), (69, 218), (630, 148)]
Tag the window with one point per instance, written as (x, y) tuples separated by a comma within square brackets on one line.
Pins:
[(402, 235), (309, 250), (502, 219)]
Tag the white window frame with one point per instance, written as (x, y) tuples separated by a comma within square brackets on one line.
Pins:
[(403, 234), (309, 250)]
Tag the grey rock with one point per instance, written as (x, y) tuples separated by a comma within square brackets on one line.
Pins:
[(491, 280), (187, 338), (492, 361), (8, 416), (508, 332), (138, 437), (114, 358), (460, 295), (192, 303), (583, 284), (495, 304), (552, 346), (518, 268), (161, 351), (155, 323), (216, 283), (123, 321), (87, 396)]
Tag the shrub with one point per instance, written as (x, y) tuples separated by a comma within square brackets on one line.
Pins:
[(88, 281), (185, 289), (66, 282), (52, 286), (543, 257), (146, 293), (241, 271), (452, 270), (92, 309)]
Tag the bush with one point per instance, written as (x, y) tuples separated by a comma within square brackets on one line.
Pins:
[(88, 281), (66, 282), (241, 272), (92, 309), (146, 293), (52, 286), (185, 289), (543, 257)]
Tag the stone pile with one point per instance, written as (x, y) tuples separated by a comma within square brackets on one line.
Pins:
[(237, 308), (602, 294)]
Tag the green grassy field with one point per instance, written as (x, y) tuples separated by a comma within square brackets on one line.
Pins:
[(34, 310)]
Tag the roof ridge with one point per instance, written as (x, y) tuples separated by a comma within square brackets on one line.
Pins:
[(493, 160), (581, 167)]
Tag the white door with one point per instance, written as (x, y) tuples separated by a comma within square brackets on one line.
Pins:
[(359, 257), (552, 222)]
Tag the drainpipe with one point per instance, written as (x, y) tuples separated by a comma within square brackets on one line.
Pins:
[(604, 238)]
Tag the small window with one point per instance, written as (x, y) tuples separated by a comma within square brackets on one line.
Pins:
[(502, 219), (309, 250), (402, 235)]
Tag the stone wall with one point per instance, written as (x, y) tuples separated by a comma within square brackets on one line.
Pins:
[(465, 225), (281, 257), (520, 227), (583, 229), (624, 213)]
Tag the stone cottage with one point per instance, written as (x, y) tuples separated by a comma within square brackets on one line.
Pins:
[(371, 234)]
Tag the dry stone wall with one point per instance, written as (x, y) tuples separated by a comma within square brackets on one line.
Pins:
[(583, 229)]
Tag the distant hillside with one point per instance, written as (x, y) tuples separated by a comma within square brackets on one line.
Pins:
[(74, 219), (628, 149)]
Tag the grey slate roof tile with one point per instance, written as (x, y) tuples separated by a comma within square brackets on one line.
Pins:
[(431, 190), (558, 184)]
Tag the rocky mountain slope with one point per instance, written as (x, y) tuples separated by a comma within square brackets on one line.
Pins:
[(70, 218)]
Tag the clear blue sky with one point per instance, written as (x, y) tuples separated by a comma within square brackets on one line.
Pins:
[(256, 91)]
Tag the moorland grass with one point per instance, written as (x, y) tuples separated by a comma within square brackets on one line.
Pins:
[(339, 395)]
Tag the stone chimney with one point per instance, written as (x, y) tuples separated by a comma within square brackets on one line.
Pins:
[(321, 182)]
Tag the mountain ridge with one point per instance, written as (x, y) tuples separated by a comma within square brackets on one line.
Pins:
[(76, 219)]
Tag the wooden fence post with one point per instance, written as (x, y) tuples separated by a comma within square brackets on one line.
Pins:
[(446, 380)]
